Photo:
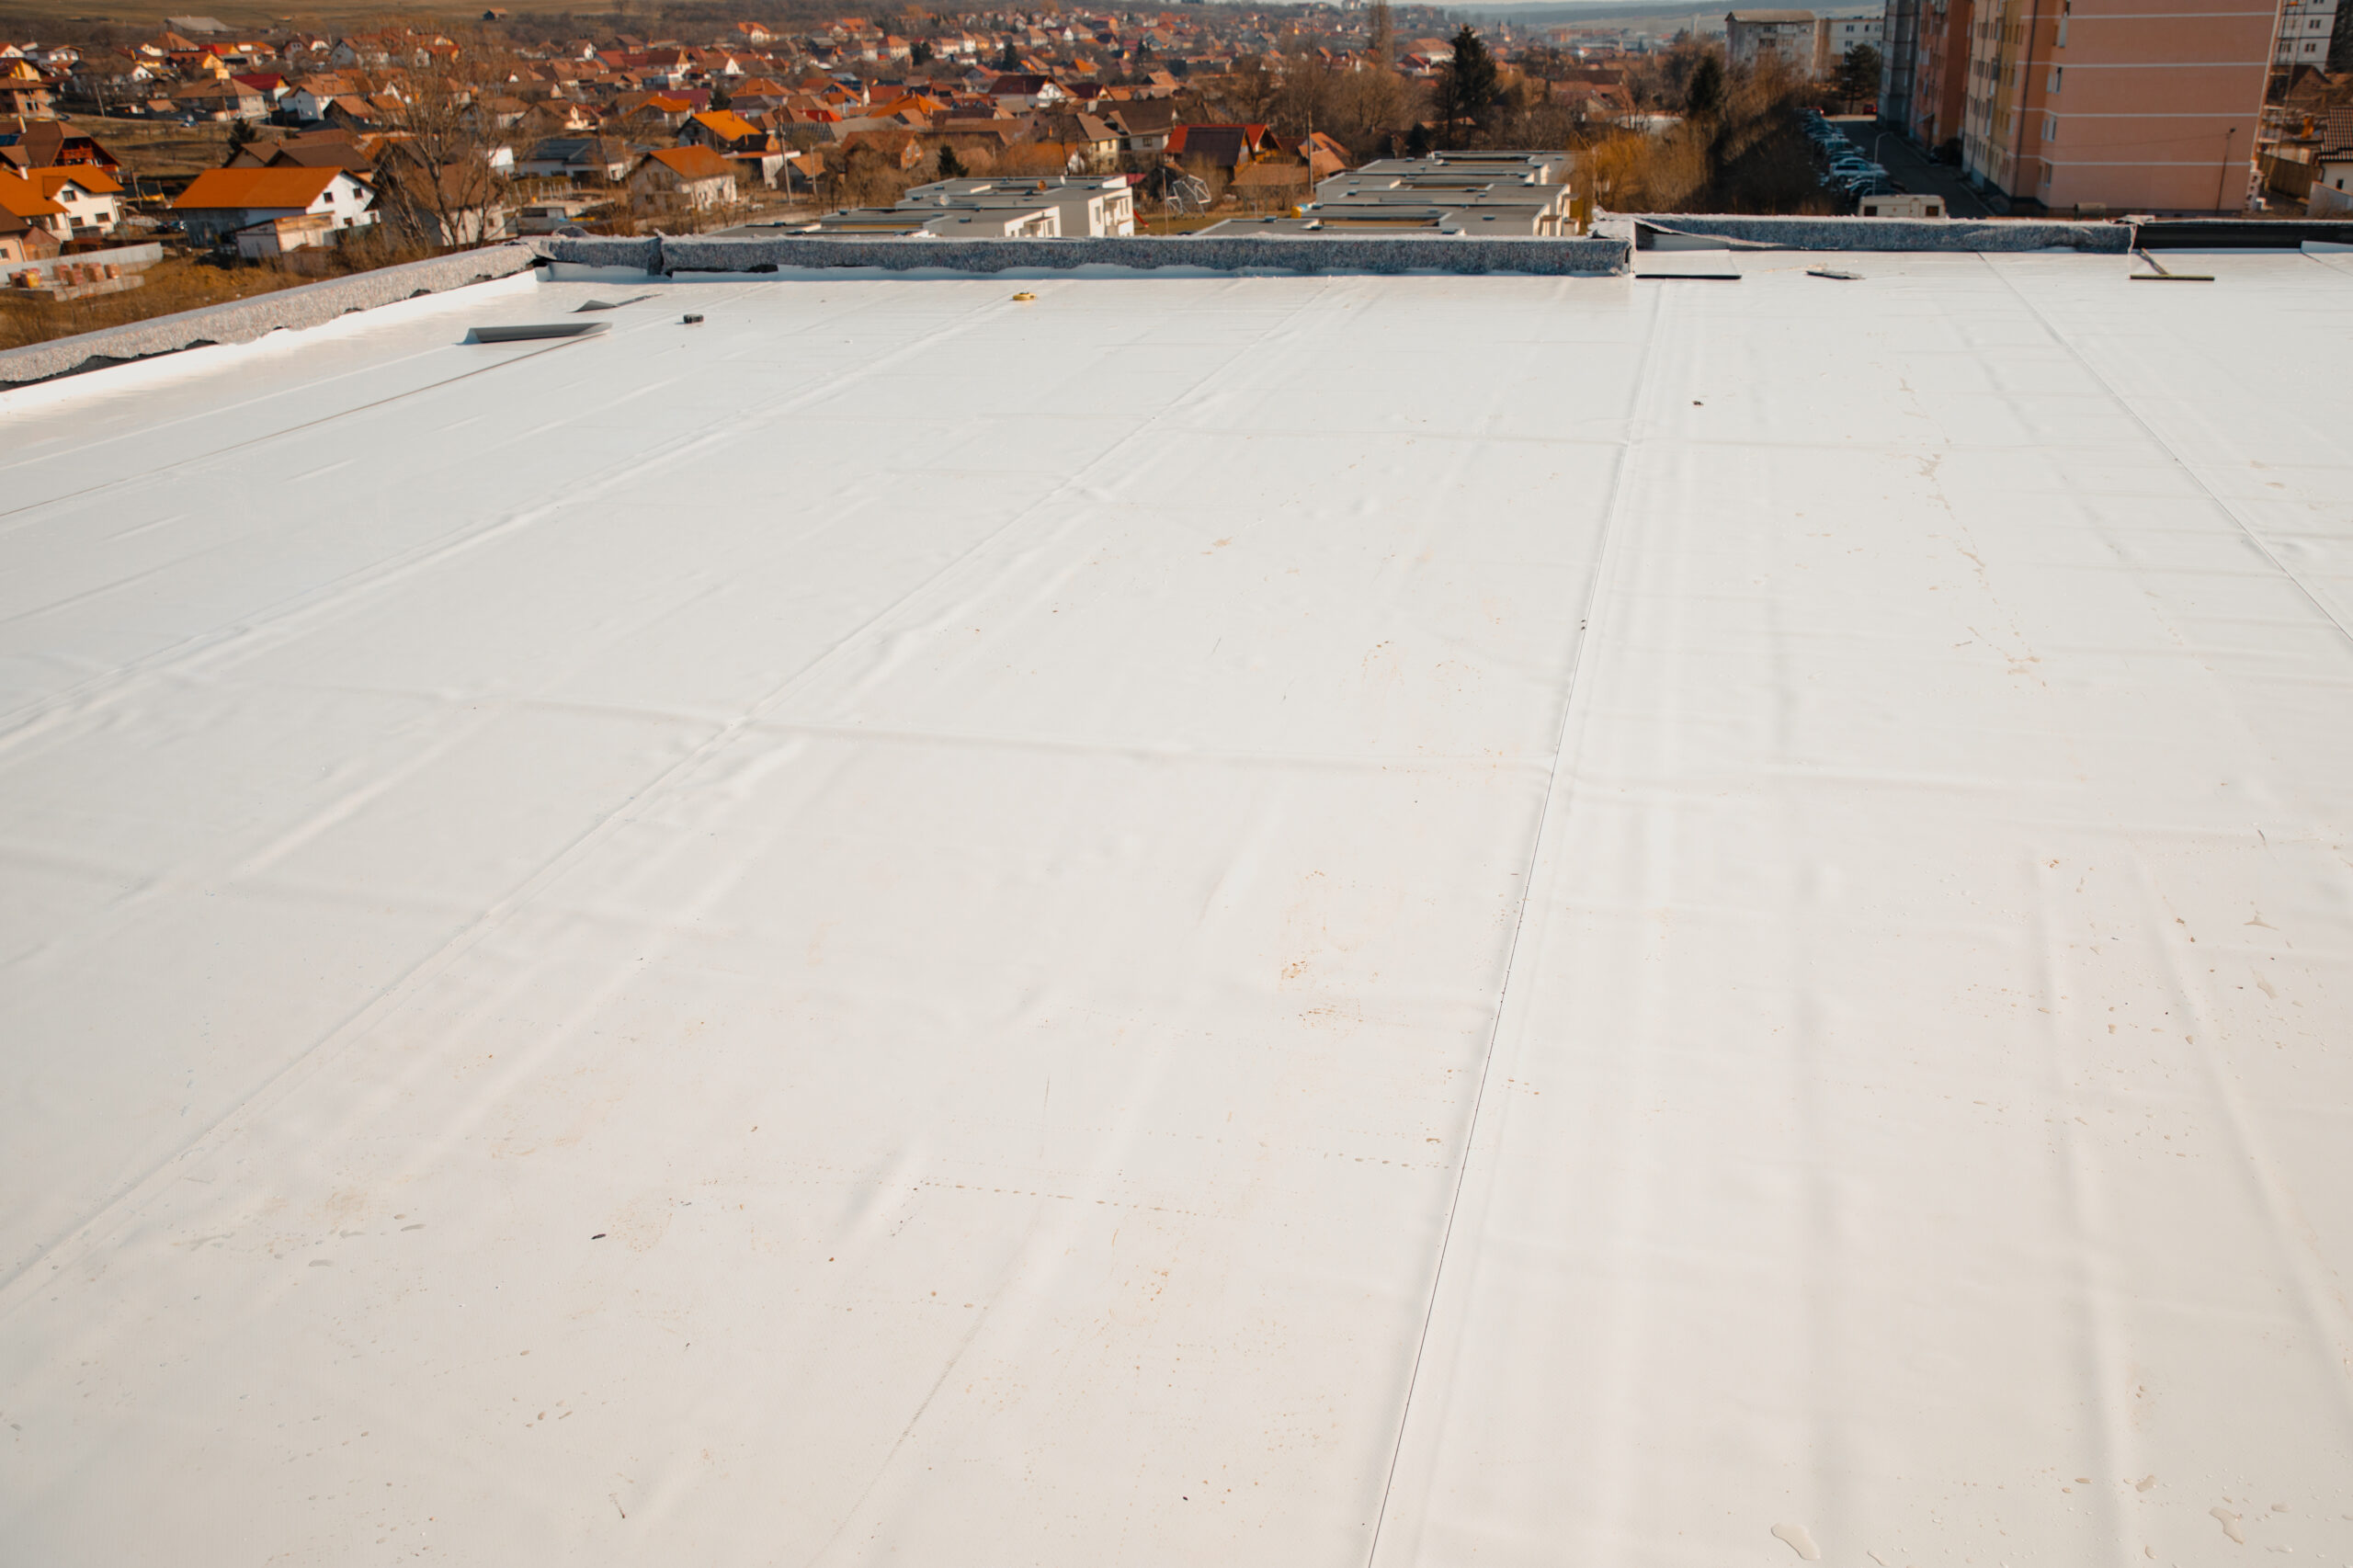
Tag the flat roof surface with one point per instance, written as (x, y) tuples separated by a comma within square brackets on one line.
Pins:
[(1285, 921)]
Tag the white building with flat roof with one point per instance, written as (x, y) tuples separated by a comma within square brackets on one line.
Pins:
[(1181, 918)]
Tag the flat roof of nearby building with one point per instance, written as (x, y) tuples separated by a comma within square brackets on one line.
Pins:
[(1244, 920)]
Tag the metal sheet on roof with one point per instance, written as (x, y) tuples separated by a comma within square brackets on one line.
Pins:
[(1410, 920)]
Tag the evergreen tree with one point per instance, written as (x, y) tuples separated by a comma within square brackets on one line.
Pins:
[(719, 99), (1858, 73), (1704, 93), (1466, 89), (950, 165), (1008, 61)]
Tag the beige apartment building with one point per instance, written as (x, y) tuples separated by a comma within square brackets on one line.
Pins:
[(2145, 105)]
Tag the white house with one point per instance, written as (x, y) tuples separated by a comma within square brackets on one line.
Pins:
[(92, 200), (218, 202)]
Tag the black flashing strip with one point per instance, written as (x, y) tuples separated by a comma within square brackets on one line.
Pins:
[(1689, 277), (2228, 234), (535, 331)]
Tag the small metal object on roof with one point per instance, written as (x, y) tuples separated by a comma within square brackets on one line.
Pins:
[(534, 331), (2160, 273)]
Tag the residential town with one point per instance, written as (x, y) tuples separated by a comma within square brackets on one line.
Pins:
[(306, 151)]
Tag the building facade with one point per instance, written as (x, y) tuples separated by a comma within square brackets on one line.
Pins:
[(1939, 73), (2307, 28), (1753, 38), (1834, 36), (2127, 105), (1899, 44)]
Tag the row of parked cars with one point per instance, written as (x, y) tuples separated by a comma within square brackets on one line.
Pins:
[(1844, 166)]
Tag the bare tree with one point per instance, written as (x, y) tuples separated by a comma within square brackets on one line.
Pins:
[(435, 186)]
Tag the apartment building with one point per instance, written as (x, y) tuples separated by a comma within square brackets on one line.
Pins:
[(2141, 105), (1898, 48), (1834, 36), (1752, 38), (2306, 28), (1940, 77)]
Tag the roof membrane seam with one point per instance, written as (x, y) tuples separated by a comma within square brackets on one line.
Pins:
[(1612, 510)]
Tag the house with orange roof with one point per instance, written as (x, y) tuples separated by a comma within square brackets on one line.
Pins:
[(25, 91), (21, 198), (90, 198), (19, 241), (695, 176), (724, 131), (218, 202)]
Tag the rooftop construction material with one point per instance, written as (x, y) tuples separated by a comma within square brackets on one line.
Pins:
[(1330, 921)]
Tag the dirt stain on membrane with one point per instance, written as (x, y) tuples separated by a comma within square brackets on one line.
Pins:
[(2230, 1523), (1799, 1541)]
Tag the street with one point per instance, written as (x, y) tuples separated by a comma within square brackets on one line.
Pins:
[(1908, 168)]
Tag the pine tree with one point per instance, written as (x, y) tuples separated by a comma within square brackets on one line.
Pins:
[(950, 165), (1466, 89), (1704, 93)]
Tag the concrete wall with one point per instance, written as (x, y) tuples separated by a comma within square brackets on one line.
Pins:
[(1301, 253), (1898, 234), (244, 319)]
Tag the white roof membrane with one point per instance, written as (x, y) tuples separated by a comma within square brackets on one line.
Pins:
[(1338, 921)]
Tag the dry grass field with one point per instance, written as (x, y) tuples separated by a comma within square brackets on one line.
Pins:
[(175, 283), (166, 154)]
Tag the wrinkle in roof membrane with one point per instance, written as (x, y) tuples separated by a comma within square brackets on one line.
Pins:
[(868, 932)]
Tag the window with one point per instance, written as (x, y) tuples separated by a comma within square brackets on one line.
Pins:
[(2056, 72)]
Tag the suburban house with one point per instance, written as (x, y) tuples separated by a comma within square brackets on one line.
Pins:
[(25, 91), (696, 176), (1224, 147), (308, 150), (221, 100), (724, 131), (1144, 124), (218, 202), (19, 241), (1095, 143), (1024, 90), (22, 199), (50, 143), (310, 99), (584, 160), (469, 207), (91, 200)]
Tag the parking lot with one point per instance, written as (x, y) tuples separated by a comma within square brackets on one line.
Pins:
[(1908, 168)]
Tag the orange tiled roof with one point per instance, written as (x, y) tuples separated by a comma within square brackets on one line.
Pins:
[(88, 178), (692, 162), (726, 122), (24, 199), (279, 187)]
